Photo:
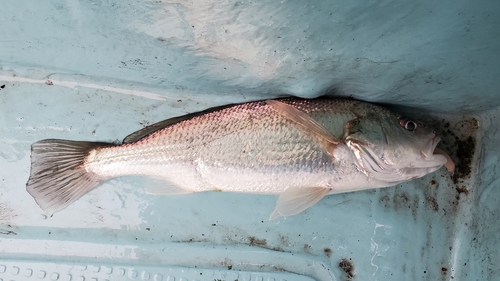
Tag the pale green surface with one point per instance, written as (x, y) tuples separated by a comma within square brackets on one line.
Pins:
[(164, 59)]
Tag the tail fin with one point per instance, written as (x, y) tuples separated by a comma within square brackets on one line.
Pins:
[(58, 176)]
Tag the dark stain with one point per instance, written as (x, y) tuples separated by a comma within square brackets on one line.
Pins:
[(432, 203), (458, 140), (278, 268), (284, 241), (257, 242), (347, 266), (191, 240), (2, 87), (460, 190), (144, 123), (465, 154), (400, 201), (228, 263), (307, 248), (7, 232), (277, 249), (328, 252), (385, 199)]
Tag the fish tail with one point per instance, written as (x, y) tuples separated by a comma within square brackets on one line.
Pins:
[(58, 175)]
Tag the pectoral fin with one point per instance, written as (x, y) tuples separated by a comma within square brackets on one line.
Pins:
[(295, 200), (306, 123)]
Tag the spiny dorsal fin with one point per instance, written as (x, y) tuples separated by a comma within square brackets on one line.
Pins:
[(135, 136)]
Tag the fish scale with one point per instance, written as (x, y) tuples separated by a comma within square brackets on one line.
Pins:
[(274, 146), (266, 139)]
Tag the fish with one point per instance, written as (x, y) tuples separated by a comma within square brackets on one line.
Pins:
[(299, 149)]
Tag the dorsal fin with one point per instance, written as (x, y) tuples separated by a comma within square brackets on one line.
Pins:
[(146, 131)]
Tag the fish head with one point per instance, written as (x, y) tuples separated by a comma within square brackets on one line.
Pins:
[(392, 148)]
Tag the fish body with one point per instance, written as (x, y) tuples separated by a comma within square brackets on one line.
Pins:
[(300, 149), (247, 148)]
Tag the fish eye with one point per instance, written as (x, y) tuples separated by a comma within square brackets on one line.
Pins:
[(409, 125)]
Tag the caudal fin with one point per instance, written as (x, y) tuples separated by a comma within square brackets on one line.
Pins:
[(58, 176)]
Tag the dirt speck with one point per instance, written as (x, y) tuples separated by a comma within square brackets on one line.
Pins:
[(3, 86), (328, 252), (462, 189), (191, 240), (347, 266), (257, 242), (277, 249), (284, 241), (307, 248), (7, 232)]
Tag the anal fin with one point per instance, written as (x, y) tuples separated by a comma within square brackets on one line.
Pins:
[(297, 199), (160, 186)]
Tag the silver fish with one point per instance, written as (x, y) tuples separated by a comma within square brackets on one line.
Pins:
[(300, 149)]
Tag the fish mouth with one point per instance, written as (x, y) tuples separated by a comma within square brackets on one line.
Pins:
[(432, 150), (427, 154)]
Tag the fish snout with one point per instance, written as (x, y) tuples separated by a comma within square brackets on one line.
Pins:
[(450, 165)]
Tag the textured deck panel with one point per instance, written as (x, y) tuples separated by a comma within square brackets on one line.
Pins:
[(23, 270)]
